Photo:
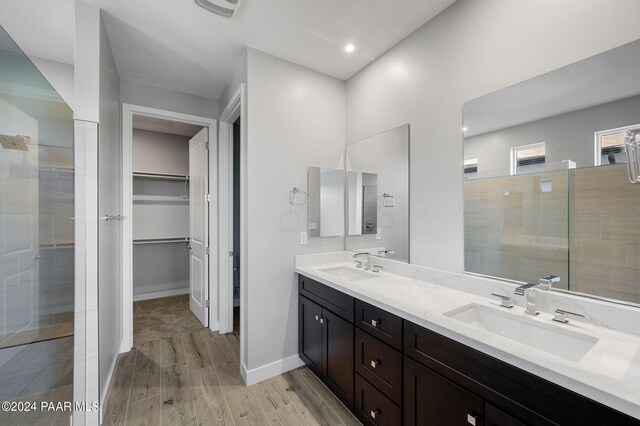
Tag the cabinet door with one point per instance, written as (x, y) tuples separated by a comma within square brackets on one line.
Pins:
[(495, 417), (432, 400), (310, 334), (338, 367)]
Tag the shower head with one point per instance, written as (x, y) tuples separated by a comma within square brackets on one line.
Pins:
[(17, 142)]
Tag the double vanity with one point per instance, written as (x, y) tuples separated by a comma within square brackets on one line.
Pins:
[(411, 345)]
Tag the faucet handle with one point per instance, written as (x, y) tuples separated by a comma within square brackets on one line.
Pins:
[(358, 264), (505, 301), (560, 315), (376, 268)]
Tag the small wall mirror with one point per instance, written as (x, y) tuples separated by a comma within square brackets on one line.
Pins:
[(550, 167), (378, 194), (325, 208)]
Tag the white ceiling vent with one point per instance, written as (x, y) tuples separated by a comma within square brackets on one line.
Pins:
[(226, 8)]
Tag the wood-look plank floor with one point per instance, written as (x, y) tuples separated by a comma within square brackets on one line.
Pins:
[(193, 378)]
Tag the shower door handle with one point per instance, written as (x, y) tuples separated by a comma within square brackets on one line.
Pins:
[(109, 217)]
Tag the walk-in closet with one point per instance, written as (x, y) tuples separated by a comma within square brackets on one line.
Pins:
[(164, 197)]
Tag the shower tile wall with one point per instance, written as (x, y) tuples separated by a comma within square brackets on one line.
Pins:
[(517, 226), (585, 229), (605, 233)]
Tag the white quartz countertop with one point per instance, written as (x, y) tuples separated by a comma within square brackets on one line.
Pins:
[(608, 373)]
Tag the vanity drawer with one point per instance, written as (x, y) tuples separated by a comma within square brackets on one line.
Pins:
[(379, 323), (337, 302), (373, 408), (379, 364), (529, 398)]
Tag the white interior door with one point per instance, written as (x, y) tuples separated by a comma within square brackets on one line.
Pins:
[(198, 226)]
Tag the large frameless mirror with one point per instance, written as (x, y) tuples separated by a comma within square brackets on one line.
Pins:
[(378, 194), (549, 172)]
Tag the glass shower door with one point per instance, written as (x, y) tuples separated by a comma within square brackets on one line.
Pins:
[(36, 240)]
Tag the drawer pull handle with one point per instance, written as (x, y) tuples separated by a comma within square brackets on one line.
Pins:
[(471, 419), (375, 412), (375, 322), (375, 363)]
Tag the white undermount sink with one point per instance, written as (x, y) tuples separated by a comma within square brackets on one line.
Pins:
[(550, 338), (349, 274)]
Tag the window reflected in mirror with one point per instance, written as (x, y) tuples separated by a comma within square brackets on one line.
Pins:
[(550, 172)]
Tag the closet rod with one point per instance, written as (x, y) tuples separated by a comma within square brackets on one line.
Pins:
[(161, 241), (160, 176)]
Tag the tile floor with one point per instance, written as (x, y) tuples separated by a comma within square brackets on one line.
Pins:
[(192, 377)]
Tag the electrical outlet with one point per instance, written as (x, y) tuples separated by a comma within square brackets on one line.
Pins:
[(303, 238)]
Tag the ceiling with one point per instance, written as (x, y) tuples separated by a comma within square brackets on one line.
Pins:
[(161, 125), (603, 78), (177, 45)]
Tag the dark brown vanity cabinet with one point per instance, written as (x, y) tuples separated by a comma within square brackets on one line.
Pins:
[(325, 341), (433, 400), (392, 372)]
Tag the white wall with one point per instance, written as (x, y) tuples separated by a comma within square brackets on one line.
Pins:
[(59, 75), (567, 137), (239, 77), (295, 118), (109, 203), (86, 368), (169, 100), (472, 48)]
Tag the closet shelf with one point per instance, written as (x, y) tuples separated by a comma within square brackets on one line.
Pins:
[(183, 240), (161, 198), (160, 176)]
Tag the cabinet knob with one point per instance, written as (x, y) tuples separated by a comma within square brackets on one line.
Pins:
[(375, 412), (375, 363), (375, 322), (322, 320), (317, 318), (471, 419)]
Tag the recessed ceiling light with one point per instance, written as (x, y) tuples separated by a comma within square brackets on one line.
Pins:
[(349, 48)]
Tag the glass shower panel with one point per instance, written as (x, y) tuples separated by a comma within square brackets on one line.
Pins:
[(516, 227), (36, 239), (605, 236)]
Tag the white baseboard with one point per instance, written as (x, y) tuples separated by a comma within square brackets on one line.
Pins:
[(251, 377), (159, 294)]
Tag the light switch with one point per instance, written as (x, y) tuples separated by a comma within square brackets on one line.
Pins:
[(303, 238), (379, 234)]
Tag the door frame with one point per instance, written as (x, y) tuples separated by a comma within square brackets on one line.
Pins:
[(128, 111), (236, 107)]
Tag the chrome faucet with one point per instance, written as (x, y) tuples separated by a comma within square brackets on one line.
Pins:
[(530, 292), (546, 283), (531, 295), (367, 260)]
